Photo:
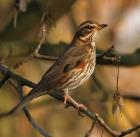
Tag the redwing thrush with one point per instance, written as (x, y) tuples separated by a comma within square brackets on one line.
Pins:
[(72, 69)]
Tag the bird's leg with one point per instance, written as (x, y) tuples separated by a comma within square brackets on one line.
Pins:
[(66, 96), (69, 98)]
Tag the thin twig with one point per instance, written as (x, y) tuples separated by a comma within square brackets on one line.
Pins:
[(106, 52), (45, 57), (105, 57), (88, 134), (36, 51), (21, 62), (128, 131), (102, 131), (117, 83), (28, 114), (34, 124), (2, 82), (118, 69)]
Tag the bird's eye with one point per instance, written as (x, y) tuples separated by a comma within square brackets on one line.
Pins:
[(89, 27)]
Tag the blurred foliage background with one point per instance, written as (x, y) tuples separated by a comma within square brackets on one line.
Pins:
[(123, 18)]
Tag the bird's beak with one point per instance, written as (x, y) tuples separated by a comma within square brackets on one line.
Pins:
[(101, 26)]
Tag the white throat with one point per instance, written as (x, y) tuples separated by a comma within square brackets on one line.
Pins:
[(94, 36)]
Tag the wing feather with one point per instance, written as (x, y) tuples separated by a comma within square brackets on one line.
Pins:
[(67, 63)]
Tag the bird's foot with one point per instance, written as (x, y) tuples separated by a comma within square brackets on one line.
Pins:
[(77, 105)]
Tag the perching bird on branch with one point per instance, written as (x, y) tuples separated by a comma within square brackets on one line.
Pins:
[(71, 70)]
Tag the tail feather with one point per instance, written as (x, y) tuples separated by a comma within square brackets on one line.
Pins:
[(22, 103)]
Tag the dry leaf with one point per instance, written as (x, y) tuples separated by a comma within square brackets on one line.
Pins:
[(117, 103)]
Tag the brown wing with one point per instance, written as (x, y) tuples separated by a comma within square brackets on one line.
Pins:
[(73, 58)]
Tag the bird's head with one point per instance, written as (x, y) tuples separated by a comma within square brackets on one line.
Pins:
[(88, 30)]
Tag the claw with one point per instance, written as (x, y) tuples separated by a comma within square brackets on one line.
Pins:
[(66, 105)]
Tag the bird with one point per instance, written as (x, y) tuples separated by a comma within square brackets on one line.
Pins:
[(72, 68)]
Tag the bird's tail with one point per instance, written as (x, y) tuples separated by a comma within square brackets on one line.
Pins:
[(22, 103)]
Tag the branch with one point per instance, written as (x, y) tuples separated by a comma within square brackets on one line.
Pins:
[(2, 82), (92, 116), (127, 60), (124, 133), (29, 116), (8, 74), (37, 55), (44, 57), (110, 50), (88, 134), (131, 97)]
